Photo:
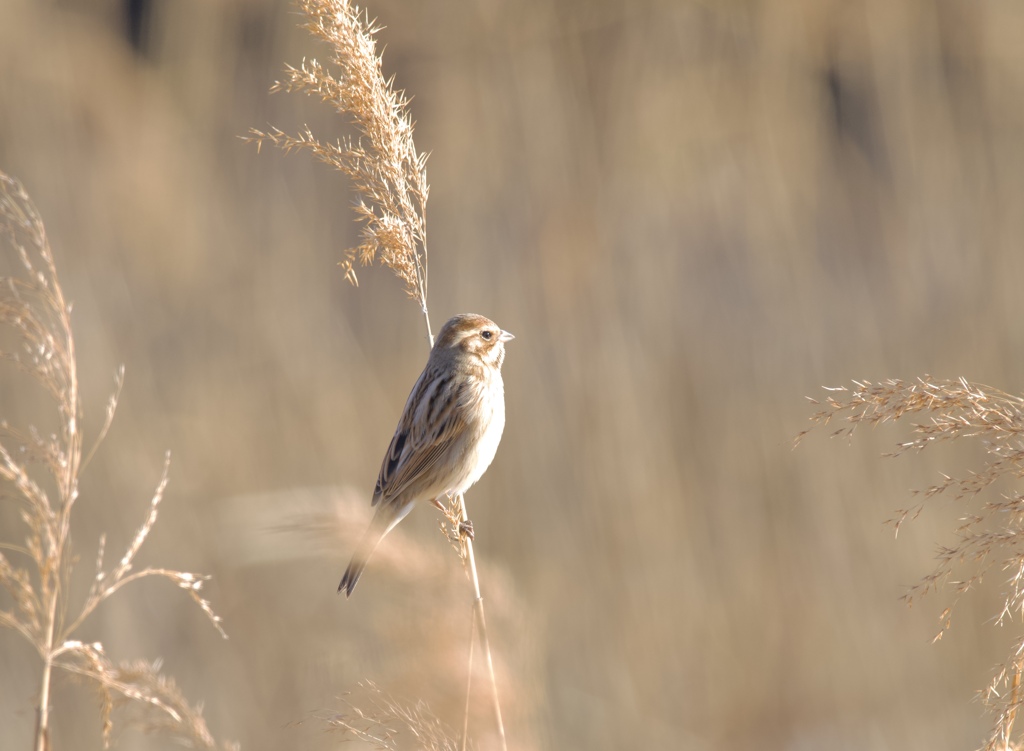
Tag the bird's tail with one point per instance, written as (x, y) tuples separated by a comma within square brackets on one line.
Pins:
[(384, 520), (352, 574)]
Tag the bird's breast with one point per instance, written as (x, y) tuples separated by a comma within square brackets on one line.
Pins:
[(490, 411)]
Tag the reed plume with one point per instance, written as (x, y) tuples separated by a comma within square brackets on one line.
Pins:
[(991, 533), (388, 174), (373, 717)]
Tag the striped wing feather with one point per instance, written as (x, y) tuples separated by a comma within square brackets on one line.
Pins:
[(416, 449)]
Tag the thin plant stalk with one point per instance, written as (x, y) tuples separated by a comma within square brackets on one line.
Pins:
[(43, 711), (1011, 715), (469, 683), (478, 607), (67, 486)]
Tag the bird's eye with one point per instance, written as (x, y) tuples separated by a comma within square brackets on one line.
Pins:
[(487, 334)]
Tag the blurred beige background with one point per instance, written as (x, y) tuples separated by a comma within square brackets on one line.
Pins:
[(691, 214)]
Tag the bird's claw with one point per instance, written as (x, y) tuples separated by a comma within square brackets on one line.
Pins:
[(466, 529)]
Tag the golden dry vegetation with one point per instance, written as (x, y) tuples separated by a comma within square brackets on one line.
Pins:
[(691, 214)]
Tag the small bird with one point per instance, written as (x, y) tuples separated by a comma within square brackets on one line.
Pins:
[(448, 433)]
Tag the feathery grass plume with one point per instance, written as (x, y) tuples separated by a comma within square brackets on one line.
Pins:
[(390, 179), (386, 720), (992, 531), (389, 175), (41, 474)]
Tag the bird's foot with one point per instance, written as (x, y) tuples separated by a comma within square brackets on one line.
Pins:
[(466, 529)]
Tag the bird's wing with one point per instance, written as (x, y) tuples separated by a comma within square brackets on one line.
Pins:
[(416, 448)]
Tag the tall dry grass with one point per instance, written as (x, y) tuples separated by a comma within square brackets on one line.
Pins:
[(40, 475), (697, 213), (990, 531)]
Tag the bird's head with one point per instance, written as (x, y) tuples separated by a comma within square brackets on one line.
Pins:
[(474, 336)]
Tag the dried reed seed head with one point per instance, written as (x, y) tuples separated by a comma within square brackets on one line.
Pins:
[(991, 533), (387, 172)]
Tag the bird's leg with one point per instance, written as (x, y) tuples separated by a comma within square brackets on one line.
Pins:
[(440, 506)]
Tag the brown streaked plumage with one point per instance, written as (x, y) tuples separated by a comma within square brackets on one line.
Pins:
[(448, 433)]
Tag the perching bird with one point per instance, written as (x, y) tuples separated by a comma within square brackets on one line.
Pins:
[(448, 433)]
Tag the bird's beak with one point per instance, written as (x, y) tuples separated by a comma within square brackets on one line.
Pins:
[(506, 337)]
